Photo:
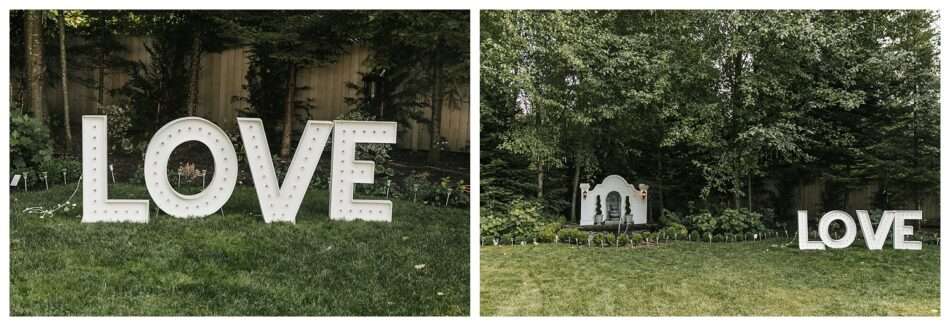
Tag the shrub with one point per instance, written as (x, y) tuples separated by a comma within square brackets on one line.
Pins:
[(29, 142), (523, 219), (548, 231), (675, 231), (731, 221), (623, 239), (611, 239), (418, 188), (55, 168), (598, 238), (567, 234), (452, 193), (637, 238), (694, 236), (669, 217), (703, 222)]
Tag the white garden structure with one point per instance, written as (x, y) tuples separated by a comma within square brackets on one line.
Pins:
[(613, 201)]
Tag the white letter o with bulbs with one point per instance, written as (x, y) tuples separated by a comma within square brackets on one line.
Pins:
[(279, 202)]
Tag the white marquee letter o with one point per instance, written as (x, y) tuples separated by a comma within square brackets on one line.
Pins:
[(160, 148), (850, 230)]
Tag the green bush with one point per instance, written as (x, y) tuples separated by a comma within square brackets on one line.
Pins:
[(417, 187), (637, 238), (548, 231), (55, 167), (29, 143), (694, 236), (523, 220), (731, 221), (623, 239), (598, 239), (740, 221), (566, 234), (669, 217), (675, 231), (611, 239), (703, 222), (452, 193)]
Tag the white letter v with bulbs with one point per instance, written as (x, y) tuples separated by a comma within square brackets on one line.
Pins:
[(278, 202)]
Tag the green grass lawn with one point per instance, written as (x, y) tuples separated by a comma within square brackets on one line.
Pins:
[(720, 279), (236, 264)]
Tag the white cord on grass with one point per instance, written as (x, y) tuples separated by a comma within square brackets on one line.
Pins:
[(49, 212)]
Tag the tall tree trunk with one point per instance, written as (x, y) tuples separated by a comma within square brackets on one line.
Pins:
[(749, 193), (576, 185), (100, 86), (35, 71), (289, 113), (541, 180), (659, 183), (195, 70), (435, 125), (101, 74), (62, 64), (916, 155), (737, 189), (379, 94)]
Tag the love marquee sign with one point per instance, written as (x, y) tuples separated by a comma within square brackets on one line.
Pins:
[(873, 238), (278, 202)]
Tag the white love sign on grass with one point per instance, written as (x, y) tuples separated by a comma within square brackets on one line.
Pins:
[(873, 238), (278, 202)]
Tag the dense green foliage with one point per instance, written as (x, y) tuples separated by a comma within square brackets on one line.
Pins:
[(763, 278), (29, 142), (235, 264), (523, 220), (712, 109)]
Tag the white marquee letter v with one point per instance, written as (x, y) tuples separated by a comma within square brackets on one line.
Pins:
[(280, 203)]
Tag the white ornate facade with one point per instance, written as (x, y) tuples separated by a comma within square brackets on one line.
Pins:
[(613, 201)]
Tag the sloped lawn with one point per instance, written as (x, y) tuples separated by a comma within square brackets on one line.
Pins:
[(721, 279), (235, 264)]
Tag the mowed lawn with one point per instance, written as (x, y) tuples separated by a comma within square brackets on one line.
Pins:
[(236, 264), (719, 279)]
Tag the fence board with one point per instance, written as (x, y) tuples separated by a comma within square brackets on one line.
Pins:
[(222, 79)]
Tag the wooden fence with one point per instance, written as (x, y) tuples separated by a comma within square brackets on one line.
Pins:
[(222, 77), (810, 199)]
